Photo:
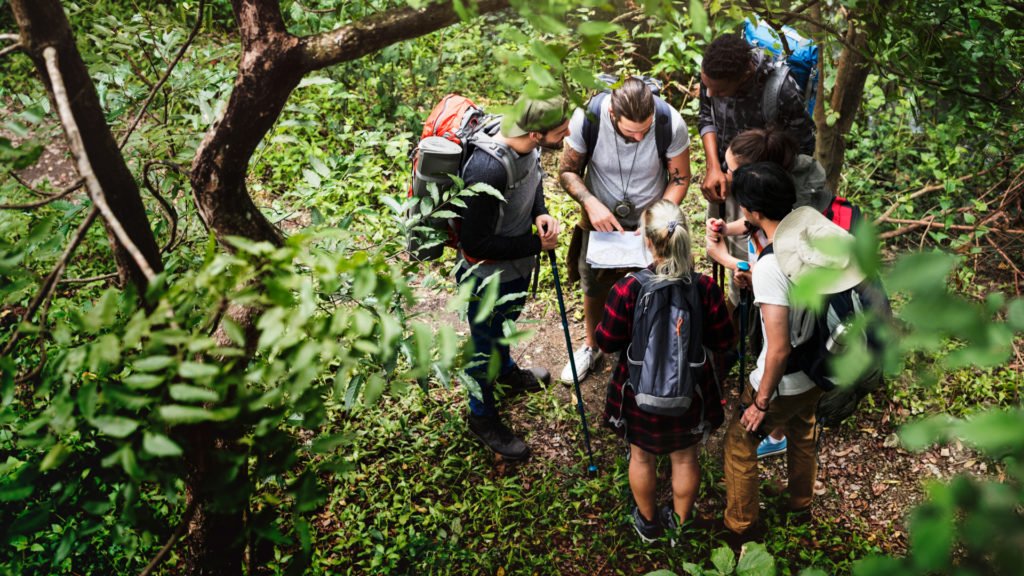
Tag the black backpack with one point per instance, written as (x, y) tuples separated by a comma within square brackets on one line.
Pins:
[(662, 117), (667, 345), (819, 338)]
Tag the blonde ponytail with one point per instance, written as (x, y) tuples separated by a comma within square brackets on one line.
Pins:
[(668, 230)]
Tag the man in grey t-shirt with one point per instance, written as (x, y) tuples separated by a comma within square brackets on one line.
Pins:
[(615, 182)]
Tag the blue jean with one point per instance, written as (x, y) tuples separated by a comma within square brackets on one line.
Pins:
[(486, 336)]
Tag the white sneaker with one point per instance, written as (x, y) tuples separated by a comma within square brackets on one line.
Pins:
[(584, 358)]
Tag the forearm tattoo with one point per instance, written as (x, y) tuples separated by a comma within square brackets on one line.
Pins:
[(571, 175)]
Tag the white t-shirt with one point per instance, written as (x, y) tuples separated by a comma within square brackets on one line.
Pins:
[(771, 286), (618, 168)]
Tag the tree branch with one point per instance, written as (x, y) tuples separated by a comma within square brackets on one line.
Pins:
[(12, 48), (50, 282), (186, 519), (167, 74), (49, 198), (170, 214), (375, 32), (78, 150)]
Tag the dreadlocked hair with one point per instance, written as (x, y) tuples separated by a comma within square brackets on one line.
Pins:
[(633, 100), (668, 231), (726, 58)]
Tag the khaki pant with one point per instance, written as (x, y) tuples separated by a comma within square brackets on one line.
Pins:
[(796, 414)]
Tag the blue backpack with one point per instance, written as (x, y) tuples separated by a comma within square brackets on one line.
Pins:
[(801, 63)]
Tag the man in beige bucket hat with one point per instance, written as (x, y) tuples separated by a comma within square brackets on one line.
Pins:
[(777, 394)]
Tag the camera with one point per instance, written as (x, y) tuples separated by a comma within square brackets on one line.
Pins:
[(623, 208)]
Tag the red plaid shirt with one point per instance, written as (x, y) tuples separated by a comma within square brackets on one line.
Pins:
[(654, 433)]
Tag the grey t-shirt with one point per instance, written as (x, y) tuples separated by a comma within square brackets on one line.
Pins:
[(619, 168)]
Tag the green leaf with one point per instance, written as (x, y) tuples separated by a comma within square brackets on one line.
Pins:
[(923, 433), (373, 389), (931, 537), (197, 370), (698, 17), (160, 445), (878, 566), (921, 272), (188, 393), (143, 381), (993, 431), (597, 28), (153, 363), (116, 426), (57, 454), (724, 559), (175, 414), (487, 300), (662, 572), (1015, 314), (755, 561)]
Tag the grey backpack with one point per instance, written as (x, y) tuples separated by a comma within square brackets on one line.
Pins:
[(667, 345)]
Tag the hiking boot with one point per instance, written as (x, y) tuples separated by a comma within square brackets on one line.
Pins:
[(585, 358), (495, 435), (520, 381), (768, 447), (649, 531)]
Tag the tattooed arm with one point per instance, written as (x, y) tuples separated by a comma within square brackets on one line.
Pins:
[(570, 175), (678, 177)]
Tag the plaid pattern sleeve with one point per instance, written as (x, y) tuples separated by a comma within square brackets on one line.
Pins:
[(615, 330)]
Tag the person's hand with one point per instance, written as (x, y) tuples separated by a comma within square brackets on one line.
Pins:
[(714, 229), (601, 218), (742, 280), (547, 229), (714, 185), (717, 251), (752, 417)]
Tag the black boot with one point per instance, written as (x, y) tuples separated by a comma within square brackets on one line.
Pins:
[(495, 435), (519, 381)]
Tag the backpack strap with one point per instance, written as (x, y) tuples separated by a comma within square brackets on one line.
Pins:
[(662, 126), (592, 123), (772, 94), (662, 129)]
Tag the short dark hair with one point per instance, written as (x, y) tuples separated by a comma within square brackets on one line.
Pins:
[(726, 58), (764, 187), (772, 144), (633, 100)]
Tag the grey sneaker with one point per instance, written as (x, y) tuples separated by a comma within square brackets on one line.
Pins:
[(585, 359), (493, 433), (649, 531)]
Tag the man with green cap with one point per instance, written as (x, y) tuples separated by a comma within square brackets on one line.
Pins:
[(497, 237)]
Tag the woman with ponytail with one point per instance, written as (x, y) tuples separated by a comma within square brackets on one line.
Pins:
[(667, 237)]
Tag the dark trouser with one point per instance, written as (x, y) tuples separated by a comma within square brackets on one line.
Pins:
[(796, 415), (486, 336)]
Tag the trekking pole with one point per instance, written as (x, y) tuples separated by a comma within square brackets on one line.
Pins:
[(744, 311), (572, 363), (718, 269)]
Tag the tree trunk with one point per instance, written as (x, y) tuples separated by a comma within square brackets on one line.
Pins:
[(42, 24), (271, 65), (851, 74)]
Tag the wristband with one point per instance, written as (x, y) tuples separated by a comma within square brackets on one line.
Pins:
[(765, 409)]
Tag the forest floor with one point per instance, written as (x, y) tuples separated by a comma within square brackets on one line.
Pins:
[(867, 483)]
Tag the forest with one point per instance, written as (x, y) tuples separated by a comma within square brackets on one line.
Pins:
[(218, 355)]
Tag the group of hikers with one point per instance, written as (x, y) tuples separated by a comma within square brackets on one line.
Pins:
[(626, 162)]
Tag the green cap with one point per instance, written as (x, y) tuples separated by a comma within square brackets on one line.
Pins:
[(537, 116)]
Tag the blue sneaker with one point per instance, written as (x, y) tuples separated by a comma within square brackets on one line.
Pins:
[(768, 448)]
